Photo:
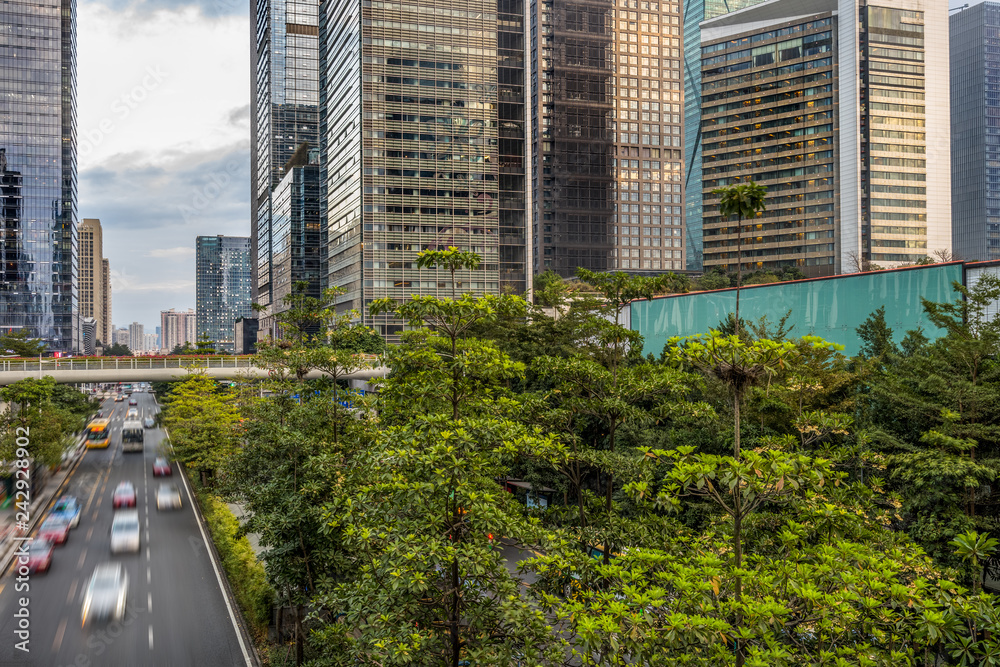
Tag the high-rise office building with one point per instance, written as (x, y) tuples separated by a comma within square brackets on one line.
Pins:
[(975, 136), (222, 287), (121, 337), (91, 273), (423, 147), (106, 333), (38, 178), (177, 328), (696, 11), (136, 338), (842, 113), (607, 153), (287, 239)]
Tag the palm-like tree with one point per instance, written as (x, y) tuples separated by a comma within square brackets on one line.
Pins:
[(744, 201)]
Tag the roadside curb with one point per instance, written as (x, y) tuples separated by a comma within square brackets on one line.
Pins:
[(36, 508)]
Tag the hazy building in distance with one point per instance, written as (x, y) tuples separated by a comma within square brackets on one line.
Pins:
[(975, 132), (287, 240), (121, 337), (222, 287), (177, 328), (150, 343), (136, 338), (38, 172), (105, 328), (849, 135), (91, 273)]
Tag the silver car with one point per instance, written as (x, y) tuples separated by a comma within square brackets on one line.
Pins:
[(125, 532), (168, 497), (106, 594)]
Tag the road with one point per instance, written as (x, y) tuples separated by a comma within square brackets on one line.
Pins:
[(176, 614)]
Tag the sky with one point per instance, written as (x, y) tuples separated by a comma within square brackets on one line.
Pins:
[(163, 101)]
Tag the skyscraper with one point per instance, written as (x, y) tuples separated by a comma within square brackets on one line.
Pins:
[(91, 274), (136, 338), (107, 333), (38, 177), (177, 328), (975, 134), (842, 113), (423, 124), (696, 11), (222, 287), (287, 240)]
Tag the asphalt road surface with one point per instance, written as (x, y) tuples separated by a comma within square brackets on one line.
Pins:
[(176, 613)]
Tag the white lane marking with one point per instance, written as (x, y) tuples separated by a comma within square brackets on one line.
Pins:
[(218, 577), (72, 591), (147, 574), (149, 602), (147, 550), (150, 637), (83, 556), (90, 532), (60, 631)]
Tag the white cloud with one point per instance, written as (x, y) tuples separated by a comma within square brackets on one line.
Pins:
[(182, 251)]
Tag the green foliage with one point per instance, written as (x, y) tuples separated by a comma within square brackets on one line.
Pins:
[(117, 350), (21, 344), (51, 412), (201, 423)]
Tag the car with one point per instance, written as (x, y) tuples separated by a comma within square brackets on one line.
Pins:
[(124, 495), (161, 467), (125, 532), (133, 413), (69, 509), (39, 556), (149, 422), (132, 401), (119, 398), (168, 496), (54, 529), (107, 594)]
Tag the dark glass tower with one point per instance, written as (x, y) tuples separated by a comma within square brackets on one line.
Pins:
[(222, 287), (38, 177), (285, 133), (975, 132)]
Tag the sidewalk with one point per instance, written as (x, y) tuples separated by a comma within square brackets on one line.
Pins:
[(50, 489)]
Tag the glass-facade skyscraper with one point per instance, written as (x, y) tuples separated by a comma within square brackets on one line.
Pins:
[(975, 132), (423, 146), (222, 287), (38, 171), (285, 127)]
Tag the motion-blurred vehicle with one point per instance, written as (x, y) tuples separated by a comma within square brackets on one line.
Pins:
[(125, 532), (124, 495), (98, 434), (132, 435), (149, 422), (161, 467), (119, 398), (54, 529), (106, 594), (168, 497), (132, 401), (69, 509), (133, 413), (39, 556)]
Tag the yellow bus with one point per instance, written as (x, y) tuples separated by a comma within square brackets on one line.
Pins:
[(99, 434)]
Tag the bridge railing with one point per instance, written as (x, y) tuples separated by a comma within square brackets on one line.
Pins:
[(133, 363)]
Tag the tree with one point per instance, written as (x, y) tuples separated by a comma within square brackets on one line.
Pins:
[(876, 337), (117, 350), (205, 345), (746, 200), (51, 413), (21, 344), (201, 420), (186, 348)]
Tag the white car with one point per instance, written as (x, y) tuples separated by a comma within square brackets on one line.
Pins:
[(125, 532), (106, 594), (168, 497)]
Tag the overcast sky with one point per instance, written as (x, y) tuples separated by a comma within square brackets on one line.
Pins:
[(164, 140)]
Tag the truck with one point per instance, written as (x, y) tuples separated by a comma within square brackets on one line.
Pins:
[(132, 436)]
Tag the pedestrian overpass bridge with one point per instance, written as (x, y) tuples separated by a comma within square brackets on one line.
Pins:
[(153, 369)]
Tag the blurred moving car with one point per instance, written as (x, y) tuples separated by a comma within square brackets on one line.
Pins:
[(168, 496), (119, 398), (161, 467), (69, 509), (39, 556), (125, 532), (106, 594), (54, 529), (132, 401), (124, 495), (149, 422), (133, 413)]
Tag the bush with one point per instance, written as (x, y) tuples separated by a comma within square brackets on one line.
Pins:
[(245, 573)]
